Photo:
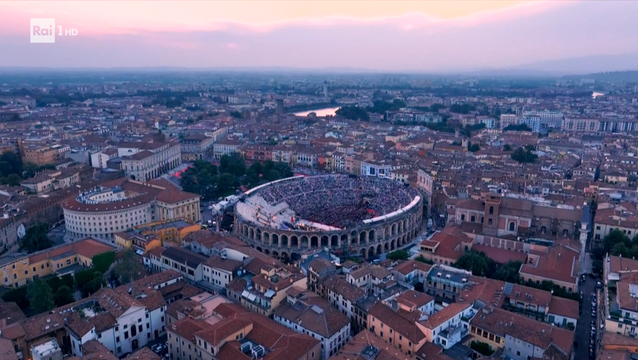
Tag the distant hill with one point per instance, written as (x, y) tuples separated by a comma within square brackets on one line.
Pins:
[(612, 76)]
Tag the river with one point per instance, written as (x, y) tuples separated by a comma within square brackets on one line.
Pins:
[(319, 112)]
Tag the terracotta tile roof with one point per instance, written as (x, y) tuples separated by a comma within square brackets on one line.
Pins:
[(408, 266), (6, 350), (564, 307), (619, 264), (445, 314), (397, 322), (143, 354), (340, 286), (559, 263), (413, 298), (353, 348), (87, 248), (326, 322), (502, 322), (187, 328), (501, 256)]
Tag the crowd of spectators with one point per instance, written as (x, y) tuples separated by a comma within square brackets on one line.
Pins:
[(339, 200)]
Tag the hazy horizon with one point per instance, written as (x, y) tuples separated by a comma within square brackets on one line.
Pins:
[(392, 37)]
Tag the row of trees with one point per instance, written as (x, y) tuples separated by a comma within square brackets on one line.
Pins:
[(211, 182)]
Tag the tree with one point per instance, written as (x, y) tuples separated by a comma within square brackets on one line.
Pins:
[(524, 156), (515, 127), (422, 259), (128, 267), (473, 147), (227, 184), (89, 281), (201, 178), (18, 296), (236, 114), (507, 147), (353, 113), (10, 163), (102, 262), (11, 180), (398, 255), (508, 272), (481, 347), (63, 296), (462, 108), (233, 164), (40, 296), (476, 262), (36, 239)]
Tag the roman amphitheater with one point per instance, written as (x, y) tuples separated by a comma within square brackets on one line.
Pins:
[(350, 215)]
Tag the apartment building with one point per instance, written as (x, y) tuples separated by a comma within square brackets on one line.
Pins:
[(17, 269), (307, 313), (232, 333), (520, 337), (148, 160)]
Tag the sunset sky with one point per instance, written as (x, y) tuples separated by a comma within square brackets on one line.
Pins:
[(425, 36)]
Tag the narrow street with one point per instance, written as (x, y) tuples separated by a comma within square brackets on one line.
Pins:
[(583, 329)]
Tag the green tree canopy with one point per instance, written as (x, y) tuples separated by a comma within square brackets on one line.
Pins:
[(10, 163), (353, 113), (476, 262), (524, 156), (398, 255), (36, 239), (128, 268), (63, 296), (102, 262), (233, 164), (40, 296)]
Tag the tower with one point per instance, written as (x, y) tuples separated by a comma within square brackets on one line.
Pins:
[(279, 110), (490, 219), (325, 89)]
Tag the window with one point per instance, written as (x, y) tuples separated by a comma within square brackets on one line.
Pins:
[(512, 226), (491, 210)]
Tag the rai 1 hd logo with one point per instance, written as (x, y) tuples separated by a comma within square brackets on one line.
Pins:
[(43, 31)]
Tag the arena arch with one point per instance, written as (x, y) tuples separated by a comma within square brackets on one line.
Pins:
[(394, 229), (252, 234), (392, 244), (284, 240), (386, 247), (370, 252), (284, 255), (334, 240), (344, 239), (353, 238), (364, 253), (275, 240), (314, 242), (259, 249), (304, 241), (275, 253), (258, 235), (362, 238), (266, 238), (371, 235), (266, 251), (324, 241), (295, 256), (294, 242)]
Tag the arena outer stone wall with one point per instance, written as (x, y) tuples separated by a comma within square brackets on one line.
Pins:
[(366, 240)]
